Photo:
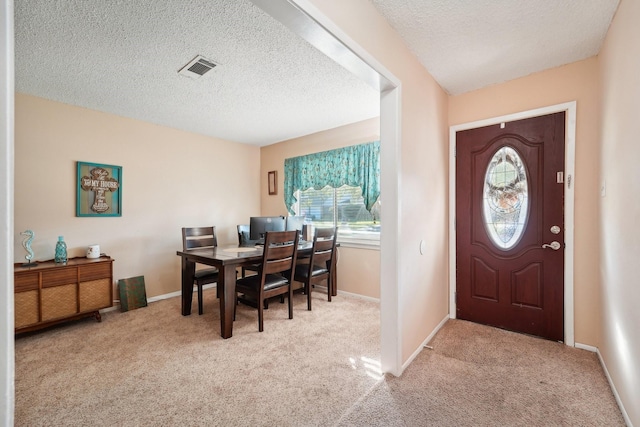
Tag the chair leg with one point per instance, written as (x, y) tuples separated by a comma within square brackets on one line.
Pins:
[(329, 288), (307, 287), (290, 301), (260, 316), (200, 310)]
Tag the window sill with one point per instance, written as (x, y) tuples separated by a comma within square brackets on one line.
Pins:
[(366, 241)]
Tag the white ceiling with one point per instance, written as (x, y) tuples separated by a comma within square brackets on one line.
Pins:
[(122, 57), (470, 44)]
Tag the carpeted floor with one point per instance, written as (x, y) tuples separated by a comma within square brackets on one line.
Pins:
[(476, 375), (154, 367)]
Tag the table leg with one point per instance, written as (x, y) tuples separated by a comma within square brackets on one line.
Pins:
[(188, 271), (334, 277), (227, 279)]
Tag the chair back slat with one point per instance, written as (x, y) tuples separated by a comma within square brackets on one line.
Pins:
[(199, 238), (280, 251), (324, 244)]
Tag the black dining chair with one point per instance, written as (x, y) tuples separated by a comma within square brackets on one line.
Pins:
[(201, 238), (274, 272), (318, 266)]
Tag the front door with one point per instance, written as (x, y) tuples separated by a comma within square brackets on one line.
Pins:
[(510, 225)]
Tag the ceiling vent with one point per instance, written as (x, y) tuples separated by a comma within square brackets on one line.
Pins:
[(197, 67)]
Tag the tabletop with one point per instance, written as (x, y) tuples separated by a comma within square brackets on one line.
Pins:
[(232, 254)]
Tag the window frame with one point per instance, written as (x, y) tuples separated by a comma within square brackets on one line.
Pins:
[(368, 239)]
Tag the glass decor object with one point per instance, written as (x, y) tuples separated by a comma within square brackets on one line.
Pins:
[(26, 243), (505, 200), (61, 251)]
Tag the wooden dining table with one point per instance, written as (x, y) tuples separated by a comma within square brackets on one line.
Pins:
[(227, 259)]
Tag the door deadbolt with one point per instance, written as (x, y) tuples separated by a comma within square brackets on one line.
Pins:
[(555, 229)]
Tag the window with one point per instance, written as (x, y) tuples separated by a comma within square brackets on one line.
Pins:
[(342, 207), (506, 194), (338, 188)]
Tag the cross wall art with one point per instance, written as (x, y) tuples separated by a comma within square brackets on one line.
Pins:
[(99, 190)]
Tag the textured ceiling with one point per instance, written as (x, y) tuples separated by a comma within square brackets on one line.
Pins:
[(470, 44), (122, 57)]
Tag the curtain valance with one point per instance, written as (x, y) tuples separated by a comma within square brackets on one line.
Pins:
[(356, 165)]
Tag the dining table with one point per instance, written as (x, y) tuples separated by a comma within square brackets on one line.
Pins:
[(227, 259)]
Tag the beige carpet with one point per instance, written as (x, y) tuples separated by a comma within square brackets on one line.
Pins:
[(154, 367), (482, 376)]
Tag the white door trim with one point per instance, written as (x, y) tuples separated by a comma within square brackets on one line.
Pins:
[(570, 145), (7, 114)]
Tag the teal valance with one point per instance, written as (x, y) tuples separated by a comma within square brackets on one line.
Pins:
[(356, 166)]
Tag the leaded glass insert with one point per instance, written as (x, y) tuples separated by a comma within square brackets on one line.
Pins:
[(505, 199)]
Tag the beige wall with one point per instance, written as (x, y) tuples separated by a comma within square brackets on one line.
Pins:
[(574, 82), (171, 179), (358, 269), (422, 288), (619, 246)]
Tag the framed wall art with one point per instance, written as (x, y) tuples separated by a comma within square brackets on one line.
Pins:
[(273, 183), (99, 190)]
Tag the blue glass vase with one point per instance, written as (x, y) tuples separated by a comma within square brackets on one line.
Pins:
[(61, 251)]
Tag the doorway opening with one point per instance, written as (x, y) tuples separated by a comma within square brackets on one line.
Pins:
[(304, 19)]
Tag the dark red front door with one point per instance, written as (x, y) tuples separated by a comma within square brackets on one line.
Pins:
[(509, 213)]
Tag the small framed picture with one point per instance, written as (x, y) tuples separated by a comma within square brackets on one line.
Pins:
[(99, 190), (273, 182)]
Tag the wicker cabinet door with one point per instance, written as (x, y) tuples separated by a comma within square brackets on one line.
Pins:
[(95, 294), (26, 308), (59, 301), (26, 299)]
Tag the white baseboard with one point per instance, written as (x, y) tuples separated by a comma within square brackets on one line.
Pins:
[(116, 305), (590, 348), (424, 343), (358, 296), (323, 289), (176, 293), (595, 350)]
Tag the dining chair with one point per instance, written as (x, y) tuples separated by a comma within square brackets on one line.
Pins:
[(274, 272), (201, 238), (319, 265)]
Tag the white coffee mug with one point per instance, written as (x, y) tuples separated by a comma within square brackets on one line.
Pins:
[(93, 251)]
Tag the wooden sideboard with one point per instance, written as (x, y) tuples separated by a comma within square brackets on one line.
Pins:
[(50, 293)]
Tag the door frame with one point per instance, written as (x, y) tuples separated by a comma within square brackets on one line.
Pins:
[(569, 171), (305, 19)]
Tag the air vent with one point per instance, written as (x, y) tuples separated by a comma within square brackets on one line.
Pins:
[(197, 67)]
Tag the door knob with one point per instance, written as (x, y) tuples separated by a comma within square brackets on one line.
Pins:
[(553, 245)]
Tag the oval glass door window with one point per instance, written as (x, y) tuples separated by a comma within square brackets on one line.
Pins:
[(505, 199)]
